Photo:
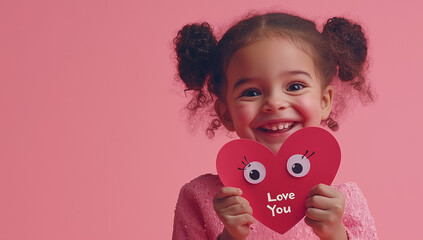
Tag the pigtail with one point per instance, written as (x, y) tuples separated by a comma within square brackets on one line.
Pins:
[(349, 49), (195, 46)]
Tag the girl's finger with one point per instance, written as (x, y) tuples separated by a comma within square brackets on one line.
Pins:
[(230, 201), (318, 201), (240, 220), (227, 192), (317, 214), (312, 223), (323, 190), (237, 209)]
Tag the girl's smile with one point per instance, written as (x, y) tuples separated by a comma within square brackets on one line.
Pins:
[(273, 90)]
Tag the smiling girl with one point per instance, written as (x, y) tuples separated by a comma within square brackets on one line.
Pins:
[(267, 77)]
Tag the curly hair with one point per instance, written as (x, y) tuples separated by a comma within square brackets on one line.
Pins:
[(339, 51)]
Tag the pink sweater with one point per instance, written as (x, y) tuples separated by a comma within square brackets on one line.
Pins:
[(195, 217)]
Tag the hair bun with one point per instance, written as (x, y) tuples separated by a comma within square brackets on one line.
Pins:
[(195, 45), (349, 46)]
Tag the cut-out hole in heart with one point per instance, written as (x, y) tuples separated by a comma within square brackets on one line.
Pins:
[(277, 186)]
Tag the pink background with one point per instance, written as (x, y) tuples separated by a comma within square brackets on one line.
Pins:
[(94, 142)]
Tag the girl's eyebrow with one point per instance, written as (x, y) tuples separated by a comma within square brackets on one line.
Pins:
[(241, 81), (296, 72)]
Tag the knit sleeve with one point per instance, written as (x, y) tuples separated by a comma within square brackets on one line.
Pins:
[(194, 214), (357, 218)]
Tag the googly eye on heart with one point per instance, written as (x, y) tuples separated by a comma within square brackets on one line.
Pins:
[(277, 186)]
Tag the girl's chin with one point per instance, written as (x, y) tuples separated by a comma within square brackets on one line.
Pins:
[(275, 141), (274, 147)]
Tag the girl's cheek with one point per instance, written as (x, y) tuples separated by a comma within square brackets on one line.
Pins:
[(243, 115), (311, 111)]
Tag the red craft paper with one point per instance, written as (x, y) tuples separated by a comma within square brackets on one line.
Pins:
[(324, 164)]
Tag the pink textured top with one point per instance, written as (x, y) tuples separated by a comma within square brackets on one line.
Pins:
[(195, 217)]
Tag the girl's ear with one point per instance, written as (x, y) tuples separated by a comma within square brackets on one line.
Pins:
[(327, 99), (223, 113)]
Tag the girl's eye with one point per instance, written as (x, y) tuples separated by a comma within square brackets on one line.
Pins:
[(251, 92), (295, 86)]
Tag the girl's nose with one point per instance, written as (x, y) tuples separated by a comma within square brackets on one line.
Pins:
[(274, 103)]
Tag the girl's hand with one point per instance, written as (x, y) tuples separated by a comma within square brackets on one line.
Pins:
[(325, 208), (235, 213)]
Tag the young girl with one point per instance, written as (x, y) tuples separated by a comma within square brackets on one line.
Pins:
[(269, 76)]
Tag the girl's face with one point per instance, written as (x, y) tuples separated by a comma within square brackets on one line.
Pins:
[(272, 91)]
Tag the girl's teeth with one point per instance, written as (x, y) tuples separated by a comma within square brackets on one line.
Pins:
[(280, 126)]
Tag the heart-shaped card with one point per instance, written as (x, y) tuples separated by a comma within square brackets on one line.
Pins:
[(277, 186)]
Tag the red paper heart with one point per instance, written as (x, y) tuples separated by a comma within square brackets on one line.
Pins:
[(278, 201)]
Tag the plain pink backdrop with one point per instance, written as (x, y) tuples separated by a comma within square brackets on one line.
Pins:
[(93, 138)]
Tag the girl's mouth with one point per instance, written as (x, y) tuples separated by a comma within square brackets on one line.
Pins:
[(277, 127)]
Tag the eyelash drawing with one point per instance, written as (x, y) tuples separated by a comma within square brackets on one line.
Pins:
[(245, 164), (306, 154)]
